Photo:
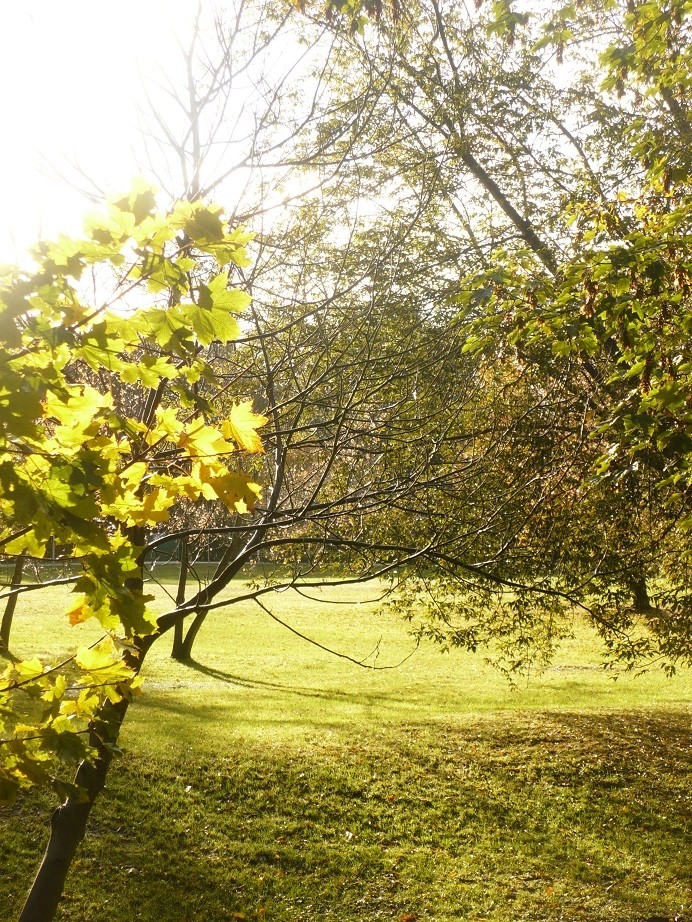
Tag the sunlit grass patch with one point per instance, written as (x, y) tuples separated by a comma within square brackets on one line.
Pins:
[(271, 780), (576, 816)]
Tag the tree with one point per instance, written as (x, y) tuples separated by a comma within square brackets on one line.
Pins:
[(120, 417), (11, 605), (347, 382), (618, 309), (455, 71), (116, 416), (335, 369), (90, 470)]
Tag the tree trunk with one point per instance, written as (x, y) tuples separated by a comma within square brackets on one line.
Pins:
[(187, 643), (230, 564), (640, 595), (178, 644), (177, 648), (8, 614), (68, 823)]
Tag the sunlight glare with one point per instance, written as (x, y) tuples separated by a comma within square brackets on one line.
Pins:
[(71, 74)]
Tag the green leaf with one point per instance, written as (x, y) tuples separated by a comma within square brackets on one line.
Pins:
[(216, 294), (212, 325), (561, 347), (205, 225)]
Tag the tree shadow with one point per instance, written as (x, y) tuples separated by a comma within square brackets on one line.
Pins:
[(230, 678)]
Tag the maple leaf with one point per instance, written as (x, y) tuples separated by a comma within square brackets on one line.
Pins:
[(79, 612), (242, 427), (202, 441)]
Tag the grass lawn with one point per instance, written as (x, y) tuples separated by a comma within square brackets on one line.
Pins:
[(271, 780)]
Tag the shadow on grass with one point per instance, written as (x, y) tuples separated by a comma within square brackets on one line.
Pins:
[(245, 682), (300, 691), (541, 815), (274, 705)]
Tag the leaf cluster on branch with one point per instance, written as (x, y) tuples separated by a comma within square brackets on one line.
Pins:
[(87, 471)]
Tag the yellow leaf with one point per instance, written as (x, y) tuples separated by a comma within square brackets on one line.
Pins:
[(168, 426), (87, 703), (82, 404), (142, 510), (91, 658), (233, 488), (79, 612), (201, 441), (133, 475), (103, 660), (55, 691), (25, 544), (242, 425), (153, 508), (179, 485), (29, 669)]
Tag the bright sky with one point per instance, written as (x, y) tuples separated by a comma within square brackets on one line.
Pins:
[(70, 80)]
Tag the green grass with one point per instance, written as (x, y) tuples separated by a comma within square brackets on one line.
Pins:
[(270, 780)]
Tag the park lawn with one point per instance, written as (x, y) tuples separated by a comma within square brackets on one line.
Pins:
[(271, 780)]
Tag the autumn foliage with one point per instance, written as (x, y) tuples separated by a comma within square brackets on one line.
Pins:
[(105, 424)]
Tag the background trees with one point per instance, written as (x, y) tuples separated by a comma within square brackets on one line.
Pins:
[(451, 191), (566, 243)]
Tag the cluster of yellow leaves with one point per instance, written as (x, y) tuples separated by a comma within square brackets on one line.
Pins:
[(89, 472), (33, 752)]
